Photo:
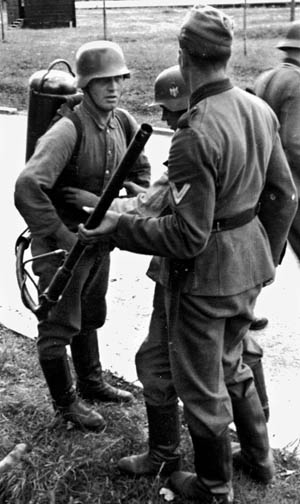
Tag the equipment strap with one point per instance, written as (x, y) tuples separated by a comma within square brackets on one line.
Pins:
[(66, 111), (125, 124), (234, 222), (71, 114)]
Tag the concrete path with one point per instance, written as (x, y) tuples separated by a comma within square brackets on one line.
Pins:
[(130, 297)]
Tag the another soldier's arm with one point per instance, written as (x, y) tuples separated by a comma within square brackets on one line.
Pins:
[(279, 201), (149, 202), (184, 233), (289, 114)]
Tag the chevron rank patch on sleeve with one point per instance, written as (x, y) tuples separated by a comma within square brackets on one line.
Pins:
[(178, 194)]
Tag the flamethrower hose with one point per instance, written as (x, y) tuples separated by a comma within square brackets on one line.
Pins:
[(63, 275), (22, 245)]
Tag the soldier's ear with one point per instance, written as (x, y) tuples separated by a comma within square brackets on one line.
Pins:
[(180, 58), (184, 60)]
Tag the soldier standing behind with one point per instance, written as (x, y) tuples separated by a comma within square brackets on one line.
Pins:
[(49, 194), (280, 88), (216, 258)]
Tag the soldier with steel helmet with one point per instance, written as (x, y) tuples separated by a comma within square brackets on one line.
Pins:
[(280, 88), (50, 194), (216, 256), (171, 94)]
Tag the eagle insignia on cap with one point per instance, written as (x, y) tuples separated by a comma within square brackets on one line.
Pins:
[(174, 91)]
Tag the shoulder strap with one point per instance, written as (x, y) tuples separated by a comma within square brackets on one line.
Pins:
[(125, 123), (266, 81), (65, 111)]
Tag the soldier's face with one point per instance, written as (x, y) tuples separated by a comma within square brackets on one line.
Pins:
[(106, 92), (171, 118)]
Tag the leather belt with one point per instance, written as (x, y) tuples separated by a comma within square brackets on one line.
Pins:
[(234, 222)]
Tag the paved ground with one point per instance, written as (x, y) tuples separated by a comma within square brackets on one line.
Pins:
[(130, 296)]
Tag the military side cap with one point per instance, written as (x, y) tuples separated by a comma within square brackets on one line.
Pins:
[(292, 39), (208, 24)]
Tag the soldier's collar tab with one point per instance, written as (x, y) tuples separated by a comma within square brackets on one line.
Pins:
[(210, 89)]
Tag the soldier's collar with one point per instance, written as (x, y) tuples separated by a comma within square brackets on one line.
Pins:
[(210, 89)]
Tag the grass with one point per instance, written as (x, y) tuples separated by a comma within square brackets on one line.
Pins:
[(149, 40), (68, 466)]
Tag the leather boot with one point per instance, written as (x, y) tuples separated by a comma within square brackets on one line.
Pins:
[(212, 482), (163, 425), (252, 356), (260, 385), (258, 324), (65, 400), (255, 456), (90, 383)]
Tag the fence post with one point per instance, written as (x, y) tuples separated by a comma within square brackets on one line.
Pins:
[(293, 8), (2, 21), (245, 27), (104, 21)]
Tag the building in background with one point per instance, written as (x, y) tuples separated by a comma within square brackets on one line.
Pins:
[(41, 13)]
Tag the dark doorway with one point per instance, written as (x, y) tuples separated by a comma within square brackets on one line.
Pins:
[(21, 9)]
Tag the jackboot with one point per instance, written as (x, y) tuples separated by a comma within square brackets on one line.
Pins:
[(66, 403), (164, 437), (212, 482), (260, 385), (255, 455), (90, 383), (258, 324)]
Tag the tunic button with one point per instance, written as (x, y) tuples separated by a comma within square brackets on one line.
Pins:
[(109, 152), (107, 172)]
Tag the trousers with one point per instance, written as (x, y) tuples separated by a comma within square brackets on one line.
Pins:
[(82, 306), (194, 351)]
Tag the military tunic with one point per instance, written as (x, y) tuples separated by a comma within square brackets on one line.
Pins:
[(225, 150), (280, 88), (53, 222)]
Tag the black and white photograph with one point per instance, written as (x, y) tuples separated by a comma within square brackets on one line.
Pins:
[(150, 252)]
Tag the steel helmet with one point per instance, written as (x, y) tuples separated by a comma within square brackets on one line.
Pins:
[(170, 90), (292, 40), (99, 59)]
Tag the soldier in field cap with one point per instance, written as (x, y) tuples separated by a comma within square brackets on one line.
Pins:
[(280, 88), (217, 253), (208, 32)]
